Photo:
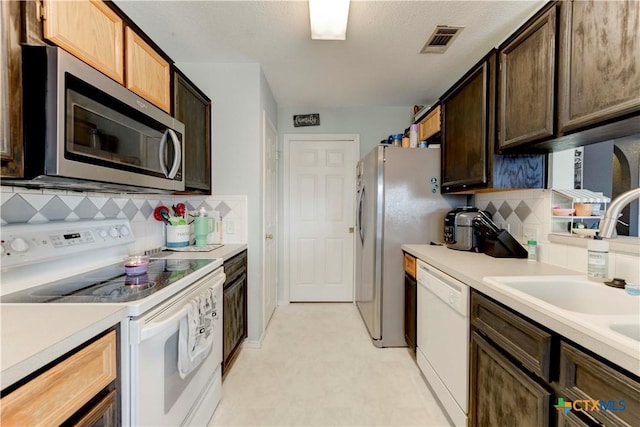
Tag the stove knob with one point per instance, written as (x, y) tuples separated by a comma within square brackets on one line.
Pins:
[(19, 245), (124, 230), (113, 232), (103, 234)]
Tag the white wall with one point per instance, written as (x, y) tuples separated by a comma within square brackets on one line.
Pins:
[(239, 93), (561, 163), (372, 123), (538, 219)]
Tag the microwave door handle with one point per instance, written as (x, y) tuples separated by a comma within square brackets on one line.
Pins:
[(163, 145), (177, 158)]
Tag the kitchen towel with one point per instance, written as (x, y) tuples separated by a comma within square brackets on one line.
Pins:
[(196, 333)]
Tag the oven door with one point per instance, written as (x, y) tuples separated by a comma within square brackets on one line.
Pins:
[(159, 396)]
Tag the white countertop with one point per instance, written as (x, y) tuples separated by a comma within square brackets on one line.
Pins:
[(470, 268), (32, 335)]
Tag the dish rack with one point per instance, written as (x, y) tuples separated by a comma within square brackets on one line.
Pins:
[(577, 225)]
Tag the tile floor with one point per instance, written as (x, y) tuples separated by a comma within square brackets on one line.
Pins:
[(318, 367)]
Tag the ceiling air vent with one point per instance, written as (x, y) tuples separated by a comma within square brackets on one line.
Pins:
[(441, 39)]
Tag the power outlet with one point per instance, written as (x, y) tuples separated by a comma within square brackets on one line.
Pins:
[(529, 232)]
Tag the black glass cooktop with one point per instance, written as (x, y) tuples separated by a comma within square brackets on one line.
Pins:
[(110, 284)]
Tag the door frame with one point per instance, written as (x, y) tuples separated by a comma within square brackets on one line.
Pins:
[(354, 139), (266, 122)]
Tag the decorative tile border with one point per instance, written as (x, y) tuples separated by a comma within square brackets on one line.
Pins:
[(514, 209), (32, 207), (19, 205)]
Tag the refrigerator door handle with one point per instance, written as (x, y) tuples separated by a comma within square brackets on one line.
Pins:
[(360, 228)]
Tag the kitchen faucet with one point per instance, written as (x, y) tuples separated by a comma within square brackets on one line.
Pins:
[(608, 223)]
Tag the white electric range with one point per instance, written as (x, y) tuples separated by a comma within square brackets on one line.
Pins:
[(82, 262)]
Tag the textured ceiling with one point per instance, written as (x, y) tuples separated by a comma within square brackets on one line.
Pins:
[(379, 63)]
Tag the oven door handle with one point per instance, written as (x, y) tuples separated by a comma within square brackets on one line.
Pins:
[(168, 323), (177, 157), (156, 328)]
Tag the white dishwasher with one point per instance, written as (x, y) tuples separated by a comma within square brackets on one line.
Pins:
[(443, 339)]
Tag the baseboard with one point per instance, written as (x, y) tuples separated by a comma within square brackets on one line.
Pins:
[(254, 343)]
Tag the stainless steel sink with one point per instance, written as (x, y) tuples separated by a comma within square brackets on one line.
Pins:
[(572, 293), (631, 330)]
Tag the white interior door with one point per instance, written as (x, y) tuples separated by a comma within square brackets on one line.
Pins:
[(320, 216), (270, 218)]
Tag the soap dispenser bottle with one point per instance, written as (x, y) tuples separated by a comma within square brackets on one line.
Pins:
[(598, 259)]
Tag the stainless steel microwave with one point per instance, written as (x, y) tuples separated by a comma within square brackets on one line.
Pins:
[(82, 130)]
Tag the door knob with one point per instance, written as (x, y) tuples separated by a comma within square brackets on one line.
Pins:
[(351, 229)]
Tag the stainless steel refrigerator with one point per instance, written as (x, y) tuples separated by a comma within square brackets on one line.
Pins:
[(398, 202)]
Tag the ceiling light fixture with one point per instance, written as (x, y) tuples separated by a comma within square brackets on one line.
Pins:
[(329, 19)]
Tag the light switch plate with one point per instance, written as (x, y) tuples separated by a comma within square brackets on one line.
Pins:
[(229, 226)]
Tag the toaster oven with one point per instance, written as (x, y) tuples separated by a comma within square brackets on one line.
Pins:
[(459, 230)]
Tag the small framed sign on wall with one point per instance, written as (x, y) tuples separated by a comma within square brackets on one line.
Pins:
[(300, 120)]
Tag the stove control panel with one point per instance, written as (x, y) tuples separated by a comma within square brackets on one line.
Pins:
[(31, 243)]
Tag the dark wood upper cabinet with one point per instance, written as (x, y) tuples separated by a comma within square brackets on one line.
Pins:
[(193, 108), (468, 128), (599, 64), (526, 87), (469, 162)]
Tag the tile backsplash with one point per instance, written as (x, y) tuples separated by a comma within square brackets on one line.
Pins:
[(524, 212), (19, 205)]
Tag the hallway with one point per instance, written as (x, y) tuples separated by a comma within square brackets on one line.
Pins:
[(318, 367)]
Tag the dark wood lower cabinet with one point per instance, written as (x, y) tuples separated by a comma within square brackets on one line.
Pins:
[(103, 414), (410, 311), (505, 394), (526, 343), (585, 378), (234, 315), (521, 372)]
